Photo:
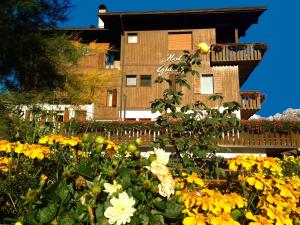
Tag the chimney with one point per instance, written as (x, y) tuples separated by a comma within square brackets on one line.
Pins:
[(101, 10)]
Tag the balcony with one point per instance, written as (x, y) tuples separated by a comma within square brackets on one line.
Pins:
[(251, 102), (245, 55), (252, 137)]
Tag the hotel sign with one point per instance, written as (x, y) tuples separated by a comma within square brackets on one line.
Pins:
[(171, 58)]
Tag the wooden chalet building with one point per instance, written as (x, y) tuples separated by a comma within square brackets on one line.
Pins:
[(137, 47), (141, 45)]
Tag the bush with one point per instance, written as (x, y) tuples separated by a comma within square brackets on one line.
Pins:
[(72, 181)]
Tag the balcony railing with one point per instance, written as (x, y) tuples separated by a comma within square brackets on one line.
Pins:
[(227, 53), (253, 140), (251, 100)]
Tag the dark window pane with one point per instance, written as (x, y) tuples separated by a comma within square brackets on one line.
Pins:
[(145, 80)]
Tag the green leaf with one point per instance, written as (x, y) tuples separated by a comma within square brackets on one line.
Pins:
[(138, 194), (173, 210), (156, 220), (220, 172), (51, 192), (84, 169), (236, 214), (30, 219), (160, 204), (63, 192), (124, 171), (135, 220), (145, 219), (47, 214), (99, 212), (67, 220)]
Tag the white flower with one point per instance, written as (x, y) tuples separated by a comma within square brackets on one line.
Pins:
[(157, 168), (121, 210), (166, 188), (112, 188), (161, 156)]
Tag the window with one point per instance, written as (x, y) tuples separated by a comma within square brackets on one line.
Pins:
[(145, 80), (80, 115), (180, 41), (109, 97), (131, 80), (109, 61), (132, 38), (112, 98), (207, 84)]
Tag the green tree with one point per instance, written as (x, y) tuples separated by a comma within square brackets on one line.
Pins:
[(35, 58), (194, 130), (32, 55)]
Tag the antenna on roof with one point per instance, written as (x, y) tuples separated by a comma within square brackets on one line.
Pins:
[(101, 9)]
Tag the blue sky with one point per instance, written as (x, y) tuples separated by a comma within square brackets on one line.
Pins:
[(277, 75)]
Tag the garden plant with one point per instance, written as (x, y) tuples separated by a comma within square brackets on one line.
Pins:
[(60, 180)]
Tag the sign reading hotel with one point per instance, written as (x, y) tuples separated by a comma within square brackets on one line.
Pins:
[(171, 58)]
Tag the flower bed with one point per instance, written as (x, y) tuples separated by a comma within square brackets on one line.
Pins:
[(258, 126), (91, 180)]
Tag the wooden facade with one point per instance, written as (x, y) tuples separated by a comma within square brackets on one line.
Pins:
[(146, 43), (152, 54), (105, 83)]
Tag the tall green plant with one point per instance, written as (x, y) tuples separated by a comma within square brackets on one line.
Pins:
[(194, 130)]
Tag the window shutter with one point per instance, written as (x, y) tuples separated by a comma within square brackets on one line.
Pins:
[(101, 60), (66, 115), (115, 98), (196, 84), (180, 41)]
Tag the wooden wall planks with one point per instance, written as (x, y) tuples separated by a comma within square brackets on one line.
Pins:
[(151, 52)]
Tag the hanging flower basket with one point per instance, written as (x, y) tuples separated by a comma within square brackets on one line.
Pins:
[(260, 47), (237, 47), (217, 48)]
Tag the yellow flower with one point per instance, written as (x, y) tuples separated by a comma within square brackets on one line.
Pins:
[(193, 178), (82, 154), (5, 163), (252, 181), (239, 201), (5, 146), (203, 48), (194, 218), (43, 179), (223, 219), (259, 185), (233, 166), (258, 220)]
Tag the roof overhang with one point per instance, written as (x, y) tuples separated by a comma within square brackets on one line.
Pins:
[(241, 18)]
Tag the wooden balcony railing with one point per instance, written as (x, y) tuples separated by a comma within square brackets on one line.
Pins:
[(227, 53), (251, 100), (252, 140)]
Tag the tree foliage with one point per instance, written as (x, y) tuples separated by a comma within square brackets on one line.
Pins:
[(31, 54), (193, 129)]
